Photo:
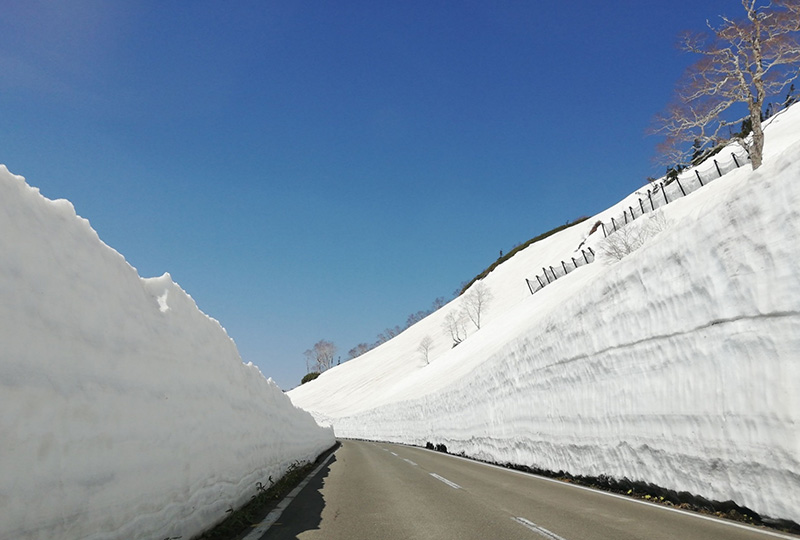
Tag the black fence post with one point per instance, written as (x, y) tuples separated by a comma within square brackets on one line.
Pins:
[(680, 186), (625, 215), (603, 225), (584, 256), (529, 285), (698, 176), (717, 166), (545, 275), (591, 251), (632, 214), (650, 196), (614, 223), (736, 161), (540, 281), (641, 205), (573, 262), (555, 277), (664, 191), (564, 266)]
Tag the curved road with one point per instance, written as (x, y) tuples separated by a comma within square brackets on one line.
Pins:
[(386, 491)]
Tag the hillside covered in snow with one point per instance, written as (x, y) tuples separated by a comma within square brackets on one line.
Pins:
[(125, 412), (677, 364)]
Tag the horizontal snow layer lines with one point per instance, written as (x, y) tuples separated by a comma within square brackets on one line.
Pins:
[(125, 411)]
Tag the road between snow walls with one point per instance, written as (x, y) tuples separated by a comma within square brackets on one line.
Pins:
[(676, 366), (125, 412)]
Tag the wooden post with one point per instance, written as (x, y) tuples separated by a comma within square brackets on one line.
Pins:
[(698, 177), (680, 186)]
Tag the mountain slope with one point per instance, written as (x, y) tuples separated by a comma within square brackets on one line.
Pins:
[(676, 365)]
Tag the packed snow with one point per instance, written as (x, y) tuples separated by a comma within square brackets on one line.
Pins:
[(677, 365), (125, 412)]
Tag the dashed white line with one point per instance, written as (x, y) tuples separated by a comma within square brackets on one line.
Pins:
[(395, 455), (446, 481), (409, 462), (538, 530)]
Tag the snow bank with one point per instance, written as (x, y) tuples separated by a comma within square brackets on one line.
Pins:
[(677, 365), (125, 412)]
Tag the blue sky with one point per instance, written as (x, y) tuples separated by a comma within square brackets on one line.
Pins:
[(320, 170)]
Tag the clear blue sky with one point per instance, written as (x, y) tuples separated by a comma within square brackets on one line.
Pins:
[(320, 170)]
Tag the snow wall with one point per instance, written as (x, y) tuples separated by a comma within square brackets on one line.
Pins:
[(125, 412), (678, 365)]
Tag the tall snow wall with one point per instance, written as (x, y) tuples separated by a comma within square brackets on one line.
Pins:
[(678, 365), (125, 412)]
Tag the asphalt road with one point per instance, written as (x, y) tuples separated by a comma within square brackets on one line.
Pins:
[(385, 491)]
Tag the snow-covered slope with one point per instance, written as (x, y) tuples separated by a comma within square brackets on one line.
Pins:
[(125, 412), (678, 365)]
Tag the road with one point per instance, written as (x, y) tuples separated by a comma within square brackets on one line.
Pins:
[(386, 491)]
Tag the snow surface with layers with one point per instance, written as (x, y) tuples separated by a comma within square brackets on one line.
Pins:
[(125, 412), (678, 365)]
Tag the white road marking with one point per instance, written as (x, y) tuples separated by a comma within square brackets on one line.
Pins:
[(446, 481), (538, 530), (273, 516), (409, 462), (686, 513), (395, 455)]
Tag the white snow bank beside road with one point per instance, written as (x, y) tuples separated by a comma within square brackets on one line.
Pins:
[(678, 365), (125, 412)]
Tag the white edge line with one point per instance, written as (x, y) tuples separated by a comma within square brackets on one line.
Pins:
[(537, 529), (766, 532), (446, 481), (276, 512)]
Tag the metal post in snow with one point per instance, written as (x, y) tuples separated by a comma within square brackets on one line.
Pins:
[(698, 176), (573, 262), (605, 235), (664, 191), (632, 215), (554, 273), (545, 275), (680, 186), (717, 166), (650, 196), (736, 161), (614, 223), (625, 215), (641, 205), (564, 266), (585, 258), (540, 281), (529, 285)]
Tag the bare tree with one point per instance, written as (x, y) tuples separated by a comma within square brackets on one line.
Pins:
[(454, 324), (742, 63), (475, 302), (425, 348), (631, 237), (358, 350), (320, 356)]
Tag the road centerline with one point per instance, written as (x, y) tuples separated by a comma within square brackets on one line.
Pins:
[(537, 529), (446, 481)]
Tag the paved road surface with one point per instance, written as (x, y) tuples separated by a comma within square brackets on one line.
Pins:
[(383, 491)]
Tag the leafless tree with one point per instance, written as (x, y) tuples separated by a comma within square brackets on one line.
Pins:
[(742, 63), (475, 302), (320, 356), (425, 348), (632, 236), (454, 324), (358, 350)]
